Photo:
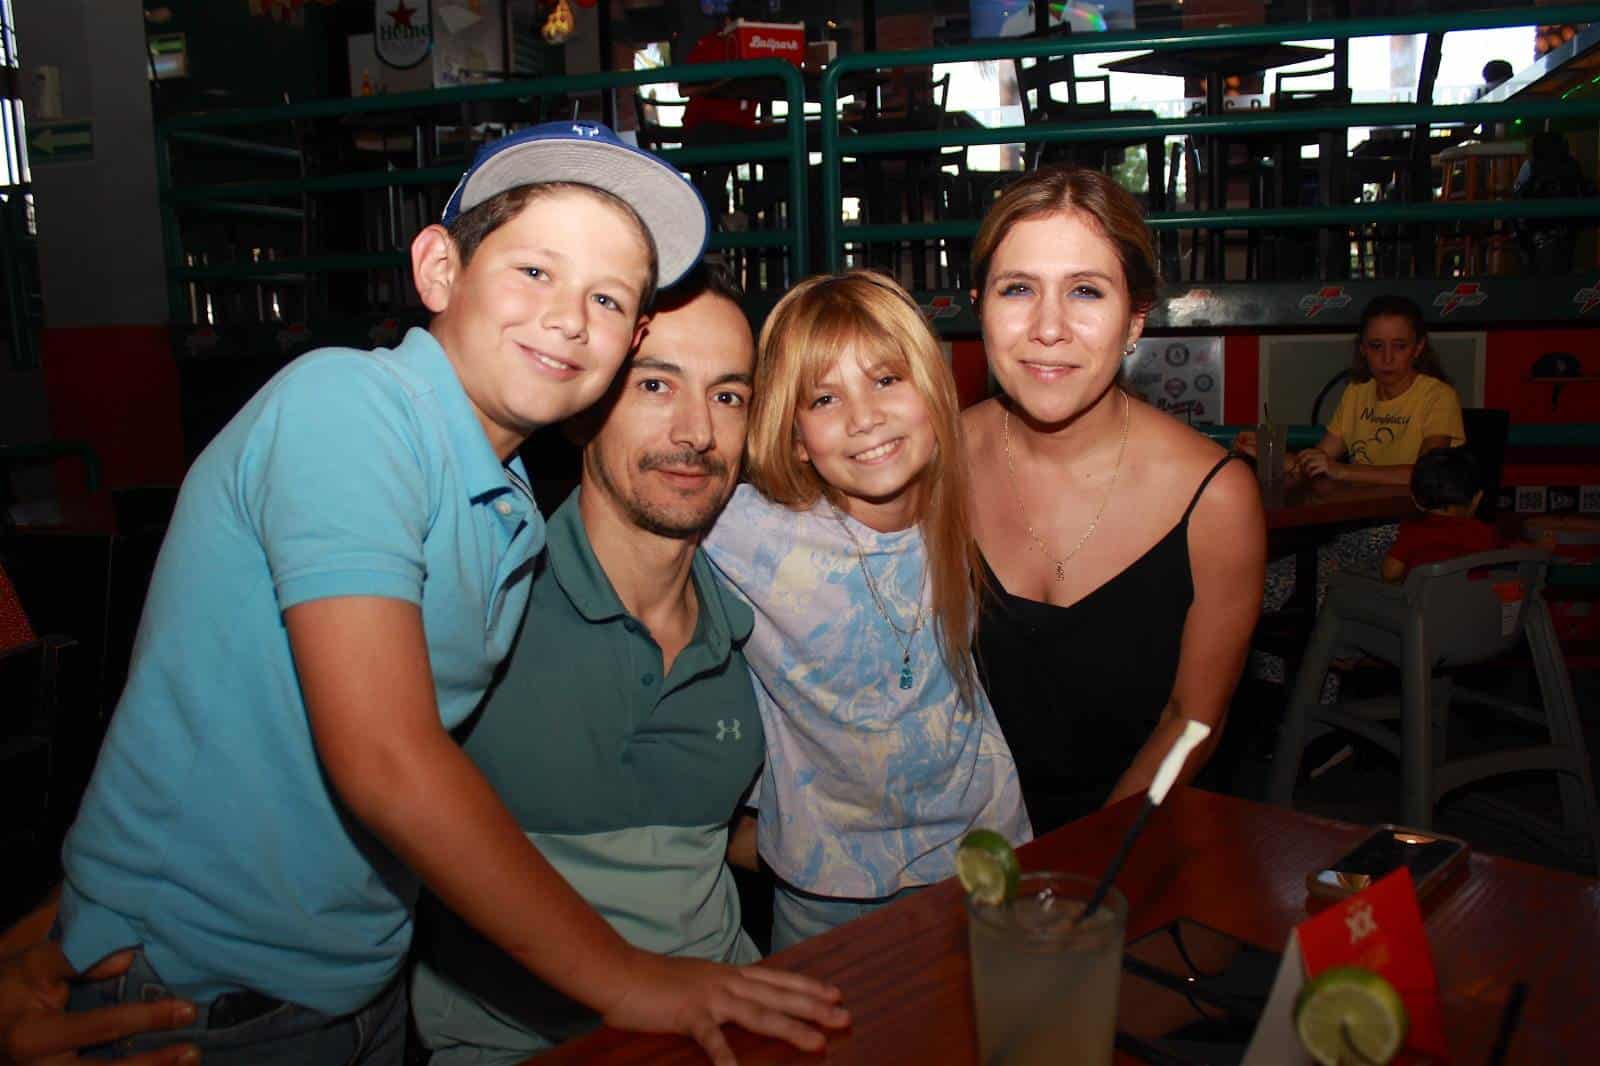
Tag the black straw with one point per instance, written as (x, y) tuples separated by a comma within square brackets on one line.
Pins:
[(1115, 868), (1191, 735), (1509, 1018)]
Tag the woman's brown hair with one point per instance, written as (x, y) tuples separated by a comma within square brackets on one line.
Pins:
[(865, 315), (1097, 197), (1389, 305)]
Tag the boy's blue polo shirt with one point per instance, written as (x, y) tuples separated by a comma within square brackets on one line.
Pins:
[(209, 834)]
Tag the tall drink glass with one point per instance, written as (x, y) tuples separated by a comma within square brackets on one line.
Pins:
[(1272, 453), (1045, 989)]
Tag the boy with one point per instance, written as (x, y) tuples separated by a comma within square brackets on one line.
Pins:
[(347, 565), (1445, 482)]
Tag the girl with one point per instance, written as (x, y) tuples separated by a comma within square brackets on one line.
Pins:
[(852, 545), (1398, 406)]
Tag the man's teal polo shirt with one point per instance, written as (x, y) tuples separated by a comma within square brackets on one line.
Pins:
[(209, 834), (623, 778)]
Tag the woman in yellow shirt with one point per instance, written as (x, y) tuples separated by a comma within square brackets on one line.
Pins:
[(1397, 406)]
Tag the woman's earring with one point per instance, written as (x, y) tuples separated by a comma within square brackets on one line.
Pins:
[(1131, 348)]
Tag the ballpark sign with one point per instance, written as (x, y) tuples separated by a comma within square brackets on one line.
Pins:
[(402, 31)]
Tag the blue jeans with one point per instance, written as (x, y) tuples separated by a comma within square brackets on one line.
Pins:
[(284, 1035)]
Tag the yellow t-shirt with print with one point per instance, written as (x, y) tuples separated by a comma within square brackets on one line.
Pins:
[(1390, 432)]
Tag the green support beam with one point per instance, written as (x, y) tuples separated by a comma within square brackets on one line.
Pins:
[(241, 197)]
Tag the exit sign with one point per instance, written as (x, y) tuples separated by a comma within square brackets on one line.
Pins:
[(60, 141)]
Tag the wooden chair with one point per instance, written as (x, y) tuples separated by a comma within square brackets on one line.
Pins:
[(1284, 98), (1041, 107), (653, 135), (1472, 173), (909, 186)]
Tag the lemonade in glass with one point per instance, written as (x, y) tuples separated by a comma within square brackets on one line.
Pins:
[(1045, 985)]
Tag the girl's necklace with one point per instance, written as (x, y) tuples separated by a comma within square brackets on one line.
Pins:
[(1116, 472), (901, 637)]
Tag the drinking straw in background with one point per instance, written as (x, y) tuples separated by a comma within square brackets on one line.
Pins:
[(1193, 733), (1509, 1017)]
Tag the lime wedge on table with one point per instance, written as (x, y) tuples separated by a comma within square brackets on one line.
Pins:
[(1350, 1015), (987, 867)]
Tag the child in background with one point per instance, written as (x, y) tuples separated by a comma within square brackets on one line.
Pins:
[(1447, 484), (852, 545)]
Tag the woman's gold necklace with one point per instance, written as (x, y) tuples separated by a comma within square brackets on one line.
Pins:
[(1016, 488), (902, 638)]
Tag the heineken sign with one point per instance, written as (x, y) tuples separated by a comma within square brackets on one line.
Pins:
[(402, 31)]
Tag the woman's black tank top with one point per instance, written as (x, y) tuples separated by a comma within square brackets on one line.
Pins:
[(1078, 689)]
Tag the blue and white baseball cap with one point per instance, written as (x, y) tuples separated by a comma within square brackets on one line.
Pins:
[(592, 154)]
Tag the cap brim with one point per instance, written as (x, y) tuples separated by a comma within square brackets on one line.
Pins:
[(670, 207)]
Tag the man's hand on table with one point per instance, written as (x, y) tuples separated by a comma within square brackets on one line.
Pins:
[(695, 998), (36, 1028)]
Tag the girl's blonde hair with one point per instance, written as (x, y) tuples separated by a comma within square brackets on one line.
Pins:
[(866, 315)]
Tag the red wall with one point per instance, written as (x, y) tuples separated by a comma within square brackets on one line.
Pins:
[(115, 387)]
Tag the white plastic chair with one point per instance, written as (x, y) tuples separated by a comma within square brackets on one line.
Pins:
[(1445, 615)]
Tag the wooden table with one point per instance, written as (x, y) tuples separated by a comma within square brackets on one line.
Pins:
[(1236, 866), (1309, 513), (1321, 501)]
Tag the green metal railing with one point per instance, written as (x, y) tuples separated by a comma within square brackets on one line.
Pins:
[(262, 199), (245, 198), (836, 144)]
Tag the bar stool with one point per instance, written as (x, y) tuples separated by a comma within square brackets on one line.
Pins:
[(1446, 615), (1471, 173)]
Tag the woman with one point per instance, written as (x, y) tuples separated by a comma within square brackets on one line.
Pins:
[(1123, 550), (1399, 404)]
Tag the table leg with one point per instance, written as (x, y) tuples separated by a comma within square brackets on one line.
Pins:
[(1304, 597)]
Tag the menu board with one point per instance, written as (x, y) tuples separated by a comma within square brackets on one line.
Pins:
[(1180, 375)]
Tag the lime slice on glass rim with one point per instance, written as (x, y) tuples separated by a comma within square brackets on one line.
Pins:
[(987, 867), (1350, 1015)]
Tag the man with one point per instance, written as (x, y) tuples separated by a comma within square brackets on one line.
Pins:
[(625, 729), (345, 568)]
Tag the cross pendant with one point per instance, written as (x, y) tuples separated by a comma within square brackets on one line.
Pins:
[(1061, 572)]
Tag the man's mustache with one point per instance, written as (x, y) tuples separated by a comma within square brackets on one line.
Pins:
[(688, 459)]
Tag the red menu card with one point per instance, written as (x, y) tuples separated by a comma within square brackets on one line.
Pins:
[(1380, 929)]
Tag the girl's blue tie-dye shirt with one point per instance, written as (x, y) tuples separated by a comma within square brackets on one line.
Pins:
[(868, 787)]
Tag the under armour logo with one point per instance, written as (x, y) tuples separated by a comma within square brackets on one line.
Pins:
[(584, 130), (724, 729)]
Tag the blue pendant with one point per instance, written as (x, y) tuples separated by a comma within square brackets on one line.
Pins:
[(905, 676)]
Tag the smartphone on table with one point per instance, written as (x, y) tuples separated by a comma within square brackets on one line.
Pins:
[(1429, 856)]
